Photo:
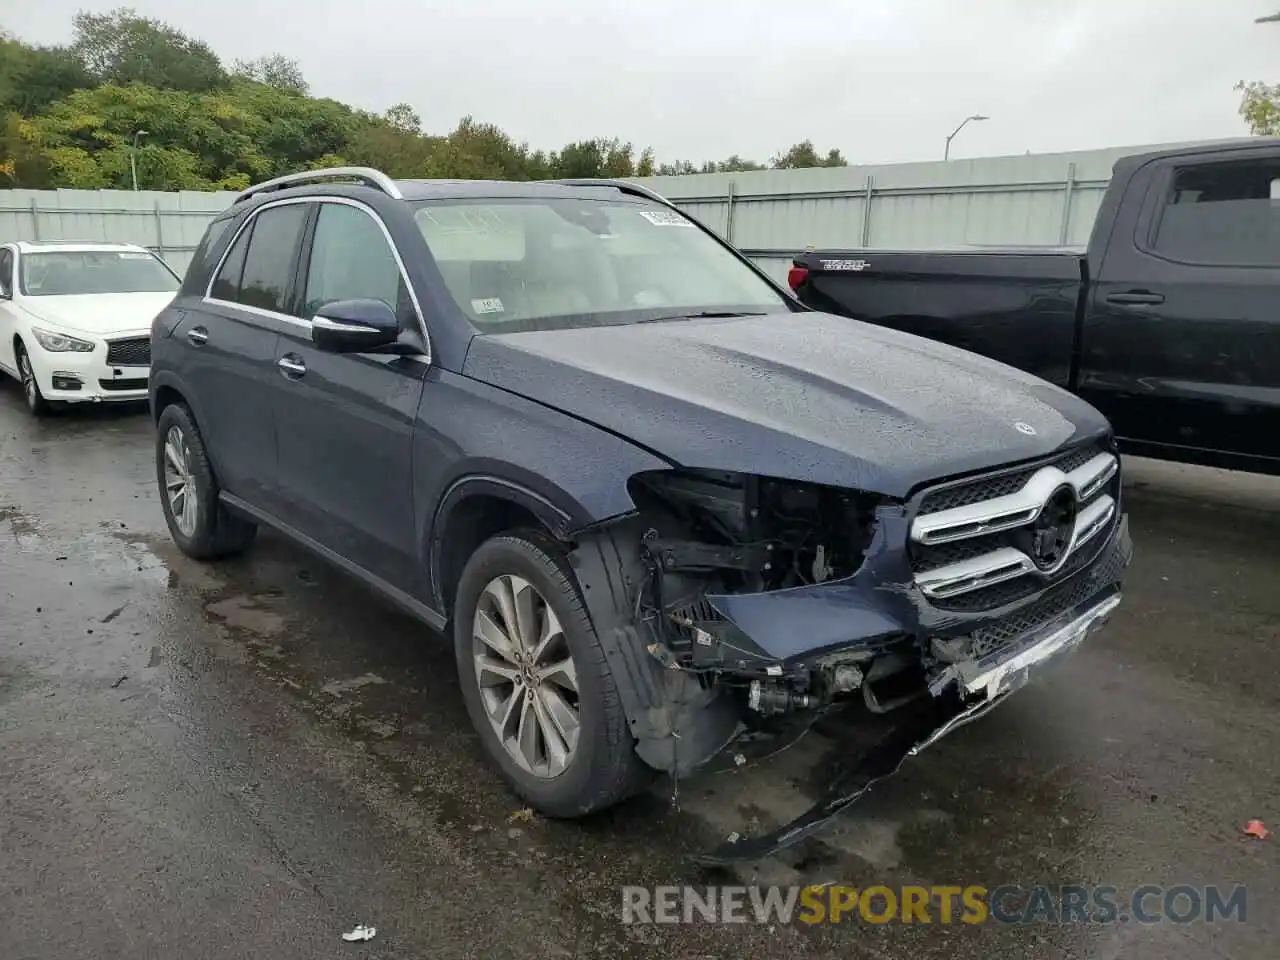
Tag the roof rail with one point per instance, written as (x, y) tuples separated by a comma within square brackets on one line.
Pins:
[(366, 175), (626, 186)]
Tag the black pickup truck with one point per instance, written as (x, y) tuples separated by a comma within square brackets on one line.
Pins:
[(1169, 322)]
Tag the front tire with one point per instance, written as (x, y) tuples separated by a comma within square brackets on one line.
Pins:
[(536, 683), (36, 403), (199, 524)]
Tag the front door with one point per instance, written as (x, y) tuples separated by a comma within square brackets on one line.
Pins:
[(1182, 338), (345, 421)]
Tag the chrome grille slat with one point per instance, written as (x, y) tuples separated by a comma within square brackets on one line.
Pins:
[(1008, 562), (972, 541), (1013, 509)]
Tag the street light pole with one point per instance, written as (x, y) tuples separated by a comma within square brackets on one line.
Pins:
[(133, 153), (946, 153)]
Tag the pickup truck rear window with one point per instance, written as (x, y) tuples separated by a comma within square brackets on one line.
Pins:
[(1223, 214), (541, 264)]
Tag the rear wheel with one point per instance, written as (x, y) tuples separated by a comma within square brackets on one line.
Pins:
[(535, 680), (36, 402), (199, 524)]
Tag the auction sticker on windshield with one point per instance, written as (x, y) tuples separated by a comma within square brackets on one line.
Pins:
[(665, 218), (488, 305)]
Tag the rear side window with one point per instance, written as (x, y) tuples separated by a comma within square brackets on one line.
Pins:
[(259, 265), (351, 260), (1223, 214)]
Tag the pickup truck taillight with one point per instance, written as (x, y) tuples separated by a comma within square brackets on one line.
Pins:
[(796, 276)]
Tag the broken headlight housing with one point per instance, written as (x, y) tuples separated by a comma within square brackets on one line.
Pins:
[(734, 533)]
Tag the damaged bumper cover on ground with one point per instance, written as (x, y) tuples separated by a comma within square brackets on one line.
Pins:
[(727, 599)]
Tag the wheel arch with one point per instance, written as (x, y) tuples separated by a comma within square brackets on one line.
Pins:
[(477, 507), (167, 388)]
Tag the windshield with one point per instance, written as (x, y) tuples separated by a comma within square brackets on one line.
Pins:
[(543, 264), (94, 271)]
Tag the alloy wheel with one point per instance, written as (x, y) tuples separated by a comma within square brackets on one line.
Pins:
[(527, 677), (179, 484), (29, 388)]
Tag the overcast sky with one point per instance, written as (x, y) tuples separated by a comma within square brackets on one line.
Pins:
[(883, 80)]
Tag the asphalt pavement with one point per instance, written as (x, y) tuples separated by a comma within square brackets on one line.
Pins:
[(248, 759)]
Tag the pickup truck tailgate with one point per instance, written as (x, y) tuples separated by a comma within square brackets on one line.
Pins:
[(1018, 306)]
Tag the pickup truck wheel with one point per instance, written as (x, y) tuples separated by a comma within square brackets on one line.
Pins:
[(535, 680), (201, 526)]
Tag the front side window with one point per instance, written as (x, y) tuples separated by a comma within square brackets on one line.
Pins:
[(548, 263), (1225, 214), (77, 272), (351, 260)]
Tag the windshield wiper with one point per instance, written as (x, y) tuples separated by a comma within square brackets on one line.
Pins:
[(706, 315)]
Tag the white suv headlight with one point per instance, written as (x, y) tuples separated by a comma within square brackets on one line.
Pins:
[(60, 342)]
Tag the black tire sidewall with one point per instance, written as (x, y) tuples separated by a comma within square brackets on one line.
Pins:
[(570, 793), (39, 406), (201, 542)]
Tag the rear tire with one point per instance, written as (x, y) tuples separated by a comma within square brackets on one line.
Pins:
[(559, 681), (199, 524)]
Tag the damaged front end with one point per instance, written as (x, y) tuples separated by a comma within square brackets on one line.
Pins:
[(725, 599)]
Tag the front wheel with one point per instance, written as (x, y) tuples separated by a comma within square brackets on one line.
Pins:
[(36, 402), (199, 524), (536, 683)]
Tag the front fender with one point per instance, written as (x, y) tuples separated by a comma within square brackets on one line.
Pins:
[(160, 380)]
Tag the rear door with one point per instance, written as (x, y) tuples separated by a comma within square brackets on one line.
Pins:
[(1181, 345), (231, 338), (345, 421)]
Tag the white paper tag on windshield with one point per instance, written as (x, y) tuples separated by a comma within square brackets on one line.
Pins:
[(491, 305), (665, 218), (135, 256)]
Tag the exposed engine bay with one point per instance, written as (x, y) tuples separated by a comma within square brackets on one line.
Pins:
[(712, 534)]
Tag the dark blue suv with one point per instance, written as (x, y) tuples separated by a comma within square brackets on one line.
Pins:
[(648, 494)]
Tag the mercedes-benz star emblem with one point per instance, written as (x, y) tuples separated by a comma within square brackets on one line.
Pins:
[(1052, 531), (1026, 428)]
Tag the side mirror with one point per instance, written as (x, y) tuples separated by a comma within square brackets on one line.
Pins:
[(354, 326)]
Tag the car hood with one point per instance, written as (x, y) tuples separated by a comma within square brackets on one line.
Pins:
[(807, 396), (100, 314)]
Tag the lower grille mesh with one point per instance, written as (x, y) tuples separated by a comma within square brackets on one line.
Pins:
[(990, 639)]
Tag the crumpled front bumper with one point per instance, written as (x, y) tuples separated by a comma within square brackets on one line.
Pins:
[(966, 692)]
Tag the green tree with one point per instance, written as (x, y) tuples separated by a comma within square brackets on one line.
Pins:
[(1260, 102), (123, 47), (31, 78), (276, 71), (803, 155)]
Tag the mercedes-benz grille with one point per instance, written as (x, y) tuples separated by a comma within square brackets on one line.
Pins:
[(984, 542)]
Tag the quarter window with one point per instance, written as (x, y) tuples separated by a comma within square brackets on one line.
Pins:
[(1223, 214), (350, 260), (226, 285)]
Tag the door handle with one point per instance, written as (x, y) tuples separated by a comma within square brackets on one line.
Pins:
[(199, 336), (1136, 298), (292, 367)]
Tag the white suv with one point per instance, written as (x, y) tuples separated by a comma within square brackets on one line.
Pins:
[(75, 319)]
